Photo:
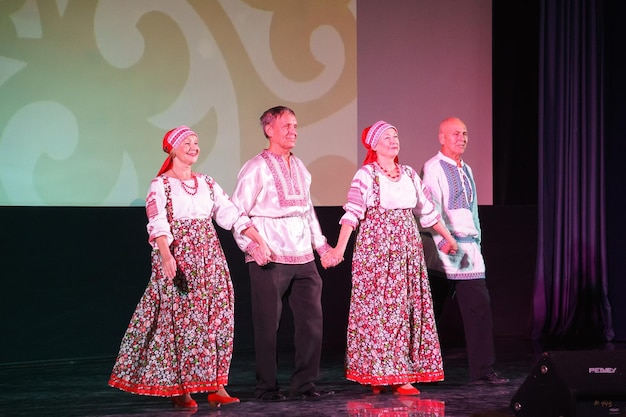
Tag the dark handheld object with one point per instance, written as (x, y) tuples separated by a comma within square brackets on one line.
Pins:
[(180, 281)]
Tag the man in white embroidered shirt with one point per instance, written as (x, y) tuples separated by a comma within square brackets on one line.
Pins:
[(450, 186), (273, 189)]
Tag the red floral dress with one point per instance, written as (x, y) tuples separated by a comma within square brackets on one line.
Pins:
[(392, 337), (178, 342)]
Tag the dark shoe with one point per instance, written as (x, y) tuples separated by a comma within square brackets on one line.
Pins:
[(491, 378), (272, 397), (314, 394)]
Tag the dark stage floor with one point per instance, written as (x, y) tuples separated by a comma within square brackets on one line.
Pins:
[(79, 388)]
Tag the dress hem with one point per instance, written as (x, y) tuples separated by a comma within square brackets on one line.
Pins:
[(396, 379), (167, 391)]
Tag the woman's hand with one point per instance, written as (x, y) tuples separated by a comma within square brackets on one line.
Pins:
[(258, 249), (332, 257), (262, 254), (168, 263), (450, 247)]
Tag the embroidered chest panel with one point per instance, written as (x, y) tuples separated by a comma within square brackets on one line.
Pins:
[(461, 191), (290, 181)]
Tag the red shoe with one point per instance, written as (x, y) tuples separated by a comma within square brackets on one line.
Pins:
[(406, 391), (377, 389), (216, 400), (180, 402)]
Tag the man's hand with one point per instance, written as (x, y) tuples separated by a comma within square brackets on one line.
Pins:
[(450, 247), (331, 258), (262, 254)]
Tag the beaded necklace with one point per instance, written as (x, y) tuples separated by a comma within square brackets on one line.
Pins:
[(394, 175), (189, 189)]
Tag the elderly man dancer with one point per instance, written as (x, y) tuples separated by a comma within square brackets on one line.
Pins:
[(273, 189), (451, 187)]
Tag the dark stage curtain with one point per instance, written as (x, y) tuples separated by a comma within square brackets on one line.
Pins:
[(570, 295)]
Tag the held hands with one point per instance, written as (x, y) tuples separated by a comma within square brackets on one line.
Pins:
[(262, 254), (332, 257), (258, 249), (450, 247)]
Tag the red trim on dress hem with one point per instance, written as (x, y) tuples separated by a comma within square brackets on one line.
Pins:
[(395, 379), (163, 391)]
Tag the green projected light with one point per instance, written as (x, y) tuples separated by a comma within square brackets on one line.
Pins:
[(88, 88)]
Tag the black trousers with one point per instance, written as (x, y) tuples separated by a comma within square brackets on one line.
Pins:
[(301, 286), (475, 306)]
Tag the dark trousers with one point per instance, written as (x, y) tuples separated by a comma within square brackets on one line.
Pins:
[(475, 307), (301, 285)]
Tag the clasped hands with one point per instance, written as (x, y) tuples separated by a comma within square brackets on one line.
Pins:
[(450, 247), (330, 258), (261, 254)]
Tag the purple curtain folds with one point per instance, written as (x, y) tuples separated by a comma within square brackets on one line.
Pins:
[(570, 294)]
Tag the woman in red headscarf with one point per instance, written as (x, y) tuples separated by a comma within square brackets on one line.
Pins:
[(180, 338), (392, 339)]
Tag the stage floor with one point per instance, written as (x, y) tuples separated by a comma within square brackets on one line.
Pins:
[(79, 388)]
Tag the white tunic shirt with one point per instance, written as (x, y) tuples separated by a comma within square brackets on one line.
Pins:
[(204, 204), (276, 197), (453, 191), (406, 193)]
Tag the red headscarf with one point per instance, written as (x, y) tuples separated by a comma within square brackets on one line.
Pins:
[(171, 140), (370, 137)]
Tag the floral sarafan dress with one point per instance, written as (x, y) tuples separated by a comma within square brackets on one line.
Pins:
[(392, 337), (178, 341)]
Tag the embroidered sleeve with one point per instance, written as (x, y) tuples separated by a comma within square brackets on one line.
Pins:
[(157, 213), (225, 213), (356, 205), (433, 189), (424, 209), (318, 240), (249, 185), (474, 205)]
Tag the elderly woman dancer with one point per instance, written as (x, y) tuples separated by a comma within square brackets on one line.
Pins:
[(180, 337), (392, 336)]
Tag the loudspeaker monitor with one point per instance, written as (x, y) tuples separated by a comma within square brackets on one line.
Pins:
[(574, 384)]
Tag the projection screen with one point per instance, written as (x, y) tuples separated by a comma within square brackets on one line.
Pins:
[(88, 88)]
